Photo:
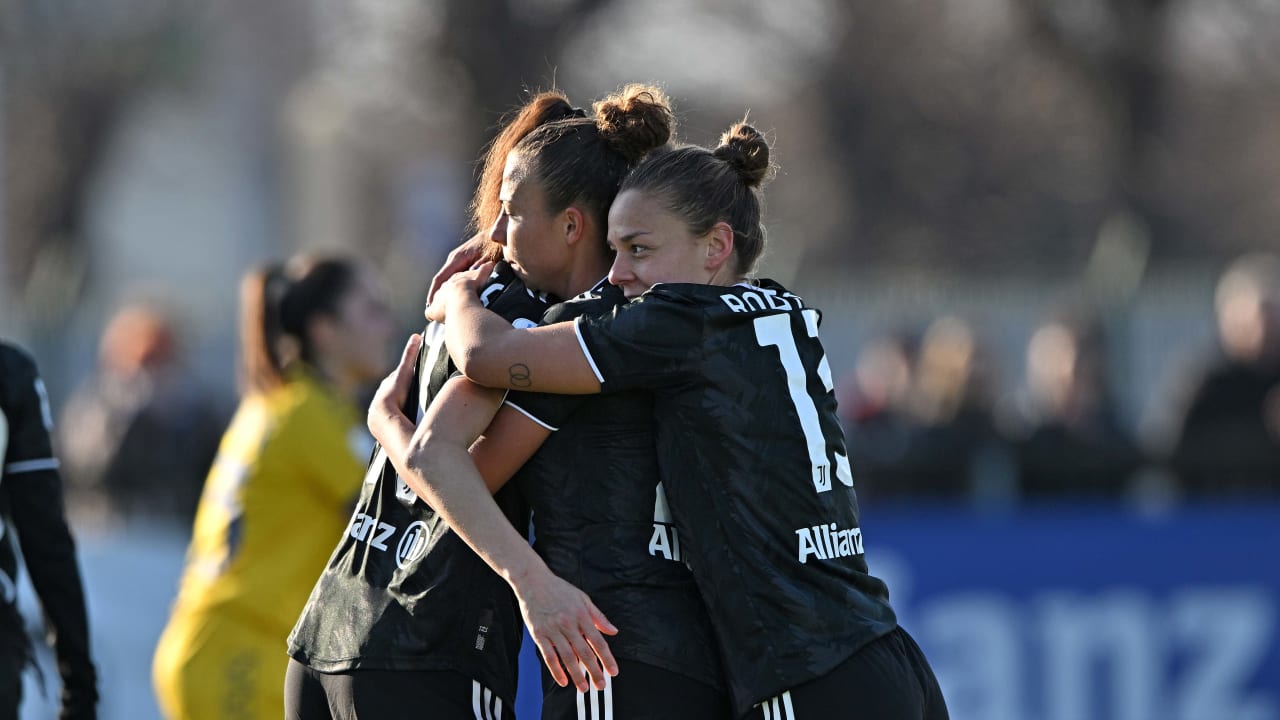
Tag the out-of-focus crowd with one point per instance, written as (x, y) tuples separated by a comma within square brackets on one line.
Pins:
[(924, 419)]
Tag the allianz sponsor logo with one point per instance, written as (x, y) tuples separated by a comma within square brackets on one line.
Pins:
[(827, 542), (411, 546)]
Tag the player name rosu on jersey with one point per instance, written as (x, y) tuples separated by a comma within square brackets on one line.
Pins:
[(758, 299)]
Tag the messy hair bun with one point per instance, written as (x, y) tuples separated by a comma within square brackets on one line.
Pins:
[(582, 160), (635, 120), (747, 152)]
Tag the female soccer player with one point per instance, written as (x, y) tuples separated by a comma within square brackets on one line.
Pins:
[(313, 334), (752, 458), (33, 527), (557, 184)]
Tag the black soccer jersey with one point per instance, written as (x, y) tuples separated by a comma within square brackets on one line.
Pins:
[(754, 465), (32, 518), (402, 591), (601, 522)]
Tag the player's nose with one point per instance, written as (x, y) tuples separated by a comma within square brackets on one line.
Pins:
[(620, 273), (498, 231)]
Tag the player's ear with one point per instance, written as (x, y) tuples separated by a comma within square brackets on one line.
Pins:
[(572, 224), (719, 245)]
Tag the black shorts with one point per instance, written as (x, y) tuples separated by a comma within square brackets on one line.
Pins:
[(638, 692), (392, 694), (889, 679)]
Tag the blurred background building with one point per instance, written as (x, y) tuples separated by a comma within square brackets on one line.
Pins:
[(1017, 215)]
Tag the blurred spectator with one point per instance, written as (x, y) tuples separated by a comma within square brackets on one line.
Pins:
[(1228, 439), (937, 438), (1065, 431), (139, 436), (873, 409)]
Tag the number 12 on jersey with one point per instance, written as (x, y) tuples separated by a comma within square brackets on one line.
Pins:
[(775, 331)]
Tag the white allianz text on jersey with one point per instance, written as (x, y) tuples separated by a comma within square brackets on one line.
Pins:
[(827, 542)]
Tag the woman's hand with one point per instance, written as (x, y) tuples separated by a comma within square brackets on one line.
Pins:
[(567, 628), (386, 411), (462, 257), (463, 285)]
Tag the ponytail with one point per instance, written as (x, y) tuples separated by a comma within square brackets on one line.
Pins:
[(277, 304)]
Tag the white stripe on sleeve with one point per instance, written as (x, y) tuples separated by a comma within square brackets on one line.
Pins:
[(577, 330), (23, 466), (786, 703), (531, 416)]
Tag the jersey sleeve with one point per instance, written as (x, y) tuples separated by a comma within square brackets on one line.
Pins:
[(551, 411), (29, 448), (34, 490), (648, 344)]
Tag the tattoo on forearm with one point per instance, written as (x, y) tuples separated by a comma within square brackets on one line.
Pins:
[(520, 375)]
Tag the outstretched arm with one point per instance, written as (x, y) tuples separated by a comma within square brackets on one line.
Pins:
[(491, 352), (434, 461)]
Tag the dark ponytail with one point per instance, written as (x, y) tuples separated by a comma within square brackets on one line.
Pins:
[(277, 304), (541, 109)]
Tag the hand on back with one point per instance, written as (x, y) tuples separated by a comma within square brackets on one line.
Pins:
[(463, 284), (568, 629), (467, 255)]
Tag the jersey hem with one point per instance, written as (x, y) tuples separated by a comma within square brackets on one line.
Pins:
[(672, 666), (338, 667), (779, 688)]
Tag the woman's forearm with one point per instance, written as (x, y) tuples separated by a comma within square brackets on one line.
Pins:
[(443, 474), (489, 351)]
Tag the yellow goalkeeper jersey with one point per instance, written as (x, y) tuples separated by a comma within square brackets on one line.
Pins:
[(278, 496)]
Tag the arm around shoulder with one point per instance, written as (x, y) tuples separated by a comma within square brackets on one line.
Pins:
[(544, 359)]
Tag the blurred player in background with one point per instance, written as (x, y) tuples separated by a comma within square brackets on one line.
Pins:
[(32, 517), (314, 334)]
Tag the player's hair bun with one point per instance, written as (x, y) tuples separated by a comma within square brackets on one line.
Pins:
[(635, 120), (747, 152)]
